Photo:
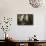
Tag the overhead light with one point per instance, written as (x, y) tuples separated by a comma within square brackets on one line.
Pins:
[(36, 3)]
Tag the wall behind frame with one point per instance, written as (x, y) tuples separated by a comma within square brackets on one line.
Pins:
[(10, 8)]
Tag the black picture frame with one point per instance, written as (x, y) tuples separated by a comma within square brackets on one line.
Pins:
[(22, 20)]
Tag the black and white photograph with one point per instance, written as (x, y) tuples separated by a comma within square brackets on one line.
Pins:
[(25, 19)]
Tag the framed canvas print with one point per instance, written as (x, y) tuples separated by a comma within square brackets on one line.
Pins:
[(25, 19)]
